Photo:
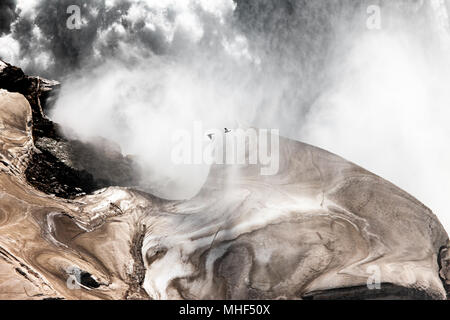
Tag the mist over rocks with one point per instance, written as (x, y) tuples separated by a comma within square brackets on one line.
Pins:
[(60, 166), (308, 68), (98, 218), (316, 229)]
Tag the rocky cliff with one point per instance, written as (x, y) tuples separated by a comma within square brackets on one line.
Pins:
[(319, 229)]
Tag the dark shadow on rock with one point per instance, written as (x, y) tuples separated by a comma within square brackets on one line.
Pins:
[(387, 291), (59, 166)]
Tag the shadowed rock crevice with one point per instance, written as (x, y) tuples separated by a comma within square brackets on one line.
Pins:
[(87, 280), (137, 274)]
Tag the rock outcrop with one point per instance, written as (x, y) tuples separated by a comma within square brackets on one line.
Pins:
[(61, 166), (321, 228)]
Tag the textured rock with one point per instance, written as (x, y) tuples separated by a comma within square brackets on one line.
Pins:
[(15, 131), (60, 166), (315, 230), (317, 225)]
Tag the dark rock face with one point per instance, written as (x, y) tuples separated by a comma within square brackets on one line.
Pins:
[(100, 158), (387, 291), (48, 174), (59, 166)]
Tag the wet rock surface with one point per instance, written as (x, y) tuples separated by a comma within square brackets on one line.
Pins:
[(50, 175), (316, 230)]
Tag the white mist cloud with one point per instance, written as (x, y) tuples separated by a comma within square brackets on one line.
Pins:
[(141, 107), (388, 112)]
